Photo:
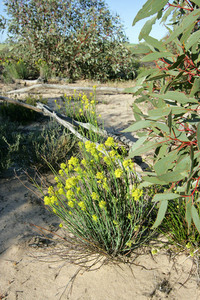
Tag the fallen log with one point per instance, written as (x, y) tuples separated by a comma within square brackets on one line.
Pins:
[(68, 87), (71, 124), (68, 122)]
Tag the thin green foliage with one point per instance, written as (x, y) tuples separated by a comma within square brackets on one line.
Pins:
[(98, 200), (20, 114), (82, 108), (175, 228), (14, 70), (53, 145), (9, 144), (23, 149)]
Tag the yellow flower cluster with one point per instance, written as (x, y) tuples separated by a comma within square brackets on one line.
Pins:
[(95, 218), (110, 142), (82, 105), (136, 193), (118, 173), (128, 164)]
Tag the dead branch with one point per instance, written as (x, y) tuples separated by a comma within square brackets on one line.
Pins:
[(67, 87), (68, 122), (21, 103)]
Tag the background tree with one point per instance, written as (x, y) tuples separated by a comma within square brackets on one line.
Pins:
[(78, 38)]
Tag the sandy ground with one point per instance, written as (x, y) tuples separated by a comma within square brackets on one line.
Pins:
[(28, 271)]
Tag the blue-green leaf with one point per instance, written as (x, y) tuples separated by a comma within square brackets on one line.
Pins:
[(140, 48), (156, 55), (138, 125), (195, 217), (165, 196), (166, 163), (195, 86), (198, 135), (149, 8), (173, 176), (154, 180), (176, 96), (142, 149), (188, 213), (187, 21), (161, 213), (197, 2), (146, 29), (139, 143), (155, 44), (192, 40), (161, 112)]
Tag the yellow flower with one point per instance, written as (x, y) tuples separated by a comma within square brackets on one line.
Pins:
[(61, 191), (102, 204), (71, 182), (63, 166), (70, 194), (137, 193), (84, 98), (50, 190), (47, 200), (83, 162), (107, 160), (118, 173), (56, 179), (95, 196), (82, 205), (73, 161), (113, 153), (105, 186), (154, 251), (53, 199), (129, 216), (116, 223), (78, 190), (71, 203), (78, 169), (129, 243), (61, 172), (137, 227), (100, 147), (95, 218), (110, 142), (100, 175), (128, 164), (60, 225)]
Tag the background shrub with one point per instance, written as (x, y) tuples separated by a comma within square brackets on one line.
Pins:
[(76, 39)]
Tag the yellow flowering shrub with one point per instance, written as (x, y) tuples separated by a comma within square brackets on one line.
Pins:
[(98, 199)]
